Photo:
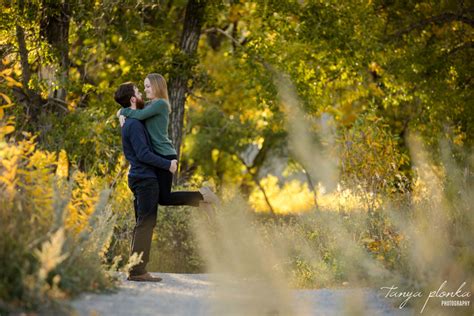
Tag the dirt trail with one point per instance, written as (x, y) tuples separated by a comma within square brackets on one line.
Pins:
[(194, 294)]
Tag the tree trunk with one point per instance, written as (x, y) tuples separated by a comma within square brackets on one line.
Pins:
[(28, 97), (182, 71), (54, 27)]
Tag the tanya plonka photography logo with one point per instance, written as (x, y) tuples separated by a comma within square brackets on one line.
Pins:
[(458, 298)]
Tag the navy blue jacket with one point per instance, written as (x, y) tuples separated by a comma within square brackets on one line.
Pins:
[(137, 149)]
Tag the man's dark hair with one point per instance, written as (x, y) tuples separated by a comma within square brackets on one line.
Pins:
[(123, 94)]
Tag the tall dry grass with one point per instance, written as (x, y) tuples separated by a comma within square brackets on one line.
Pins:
[(412, 233)]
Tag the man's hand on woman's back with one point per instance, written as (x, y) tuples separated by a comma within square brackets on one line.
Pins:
[(122, 120), (174, 166)]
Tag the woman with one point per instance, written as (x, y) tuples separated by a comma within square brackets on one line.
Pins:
[(156, 116)]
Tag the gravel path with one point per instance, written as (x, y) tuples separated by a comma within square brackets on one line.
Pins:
[(195, 294)]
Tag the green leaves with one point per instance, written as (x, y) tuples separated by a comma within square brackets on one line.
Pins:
[(408, 62)]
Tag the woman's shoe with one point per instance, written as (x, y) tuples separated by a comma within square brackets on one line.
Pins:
[(208, 196)]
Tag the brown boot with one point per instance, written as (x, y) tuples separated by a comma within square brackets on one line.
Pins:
[(147, 277)]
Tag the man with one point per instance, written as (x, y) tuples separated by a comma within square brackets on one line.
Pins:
[(142, 179)]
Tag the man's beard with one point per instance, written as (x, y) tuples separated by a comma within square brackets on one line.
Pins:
[(140, 104)]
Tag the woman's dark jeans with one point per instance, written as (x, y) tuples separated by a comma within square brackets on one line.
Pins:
[(146, 192), (165, 179)]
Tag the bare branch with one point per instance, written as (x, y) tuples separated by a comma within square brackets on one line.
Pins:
[(259, 185), (461, 47), (221, 31), (57, 102), (438, 19), (239, 44)]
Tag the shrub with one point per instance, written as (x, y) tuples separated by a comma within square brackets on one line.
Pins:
[(54, 232), (174, 248)]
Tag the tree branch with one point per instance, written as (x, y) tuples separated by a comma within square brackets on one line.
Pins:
[(236, 43), (311, 185), (257, 182), (221, 31), (461, 47), (438, 19), (25, 67)]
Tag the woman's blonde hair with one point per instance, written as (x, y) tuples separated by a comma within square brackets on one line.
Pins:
[(159, 87)]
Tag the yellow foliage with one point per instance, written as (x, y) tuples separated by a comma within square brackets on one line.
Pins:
[(7, 129), (84, 197), (293, 197), (340, 200), (34, 172), (8, 163), (370, 158), (7, 99), (36, 179), (12, 82), (8, 126), (62, 170)]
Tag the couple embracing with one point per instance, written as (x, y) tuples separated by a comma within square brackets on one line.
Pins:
[(153, 161)]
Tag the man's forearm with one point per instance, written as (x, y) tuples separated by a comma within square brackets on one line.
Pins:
[(146, 156), (142, 114)]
